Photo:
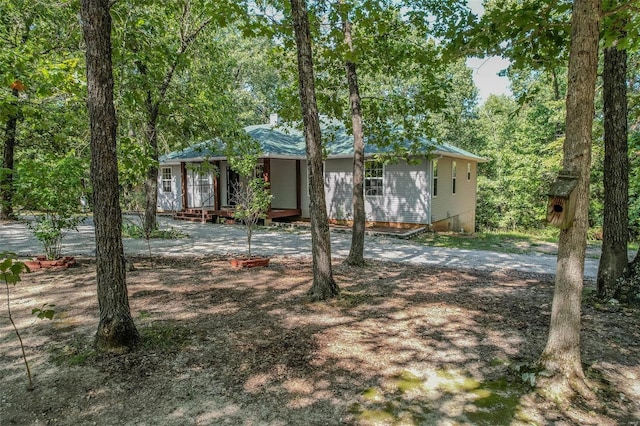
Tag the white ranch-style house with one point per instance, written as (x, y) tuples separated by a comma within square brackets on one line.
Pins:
[(437, 190)]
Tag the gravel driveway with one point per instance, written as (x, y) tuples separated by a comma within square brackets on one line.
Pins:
[(223, 239)]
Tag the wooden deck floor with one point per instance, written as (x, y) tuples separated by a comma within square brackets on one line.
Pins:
[(210, 215)]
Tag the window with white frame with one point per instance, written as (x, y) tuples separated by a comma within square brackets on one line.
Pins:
[(435, 178), (468, 171), (166, 179), (454, 175), (373, 178)]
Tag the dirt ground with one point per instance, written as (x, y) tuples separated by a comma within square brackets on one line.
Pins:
[(402, 345)]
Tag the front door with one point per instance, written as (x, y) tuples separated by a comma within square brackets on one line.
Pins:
[(201, 189)]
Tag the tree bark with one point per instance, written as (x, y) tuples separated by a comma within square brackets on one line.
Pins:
[(324, 286), (151, 181), (116, 329), (151, 138), (356, 252), (614, 259), (6, 178), (561, 356)]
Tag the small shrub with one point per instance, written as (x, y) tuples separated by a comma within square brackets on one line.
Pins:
[(252, 202), (50, 229), (132, 230)]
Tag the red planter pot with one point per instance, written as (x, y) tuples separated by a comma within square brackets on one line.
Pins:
[(41, 262), (250, 263)]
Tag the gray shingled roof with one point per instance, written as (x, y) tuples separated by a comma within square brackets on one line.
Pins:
[(288, 142)]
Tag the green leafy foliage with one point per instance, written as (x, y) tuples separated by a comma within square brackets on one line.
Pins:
[(52, 184), (44, 312), (11, 268), (524, 153), (173, 77), (53, 187), (398, 65), (242, 153), (133, 230), (50, 230), (531, 33)]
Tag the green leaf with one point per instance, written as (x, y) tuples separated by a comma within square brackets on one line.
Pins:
[(45, 312), (6, 264)]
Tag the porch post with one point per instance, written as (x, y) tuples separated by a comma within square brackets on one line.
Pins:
[(216, 186), (298, 186), (266, 168), (266, 163), (185, 198)]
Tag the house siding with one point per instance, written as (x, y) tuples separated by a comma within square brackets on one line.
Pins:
[(454, 212), (170, 201), (406, 195), (338, 184), (283, 184)]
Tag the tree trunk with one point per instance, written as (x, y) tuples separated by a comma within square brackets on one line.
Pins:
[(561, 356), (151, 181), (324, 286), (356, 252), (187, 38), (116, 329), (614, 260), (6, 177)]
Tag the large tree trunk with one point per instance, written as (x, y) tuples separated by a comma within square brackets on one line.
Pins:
[(356, 252), (116, 330), (614, 260), (324, 286), (6, 177), (561, 356)]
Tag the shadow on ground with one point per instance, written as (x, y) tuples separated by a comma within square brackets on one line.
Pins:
[(402, 345)]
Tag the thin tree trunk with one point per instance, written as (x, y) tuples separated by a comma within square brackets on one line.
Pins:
[(189, 33), (614, 260), (324, 286), (356, 252), (151, 181), (561, 356), (6, 177), (149, 223), (116, 329)]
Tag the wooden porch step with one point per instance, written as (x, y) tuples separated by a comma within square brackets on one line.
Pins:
[(195, 219), (195, 211), (199, 214)]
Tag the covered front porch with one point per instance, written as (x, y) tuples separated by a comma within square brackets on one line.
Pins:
[(208, 196)]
